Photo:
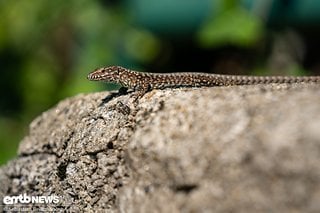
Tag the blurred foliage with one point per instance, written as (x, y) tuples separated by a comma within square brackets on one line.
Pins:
[(171, 18), (243, 29), (48, 47)]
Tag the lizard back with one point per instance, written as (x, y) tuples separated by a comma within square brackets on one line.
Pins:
[(146, 81)]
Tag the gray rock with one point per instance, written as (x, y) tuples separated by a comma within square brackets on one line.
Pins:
[(226, 149)]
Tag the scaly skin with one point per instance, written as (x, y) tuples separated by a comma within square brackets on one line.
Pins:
[(143, 82)]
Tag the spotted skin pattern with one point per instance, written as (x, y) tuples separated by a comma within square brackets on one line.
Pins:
[(143, 82)]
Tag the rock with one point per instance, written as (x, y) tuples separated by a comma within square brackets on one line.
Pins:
[(223, 149)]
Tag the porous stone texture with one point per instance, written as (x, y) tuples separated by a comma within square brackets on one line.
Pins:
[(223, 149)]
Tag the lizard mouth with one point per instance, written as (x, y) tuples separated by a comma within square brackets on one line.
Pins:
[(94, 76)]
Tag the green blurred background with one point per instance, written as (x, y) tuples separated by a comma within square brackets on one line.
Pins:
[(47, 48)]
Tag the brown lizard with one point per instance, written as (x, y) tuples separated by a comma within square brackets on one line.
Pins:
[(143, 82)]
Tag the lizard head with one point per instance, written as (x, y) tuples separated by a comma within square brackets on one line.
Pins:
[(108, 74), (116, 74)]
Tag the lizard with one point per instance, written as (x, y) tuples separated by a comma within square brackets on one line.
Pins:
[(142, 82)]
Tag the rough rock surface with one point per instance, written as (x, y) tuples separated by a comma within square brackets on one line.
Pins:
[(226, 149)]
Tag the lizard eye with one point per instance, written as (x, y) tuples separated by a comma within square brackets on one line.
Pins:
[(113, 69)]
